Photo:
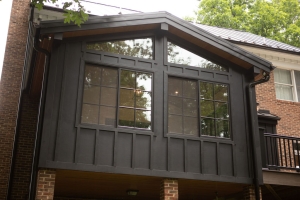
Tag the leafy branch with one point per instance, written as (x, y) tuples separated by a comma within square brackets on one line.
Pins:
[(74, 10)]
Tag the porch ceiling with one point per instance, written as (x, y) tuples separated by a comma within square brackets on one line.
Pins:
[(114, 186)]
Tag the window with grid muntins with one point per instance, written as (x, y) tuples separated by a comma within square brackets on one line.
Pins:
[(101, 86), (185, 95), (287, 84)]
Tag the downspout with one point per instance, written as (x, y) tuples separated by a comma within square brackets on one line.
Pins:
[(253, 119), (37, 142), (17, 129)]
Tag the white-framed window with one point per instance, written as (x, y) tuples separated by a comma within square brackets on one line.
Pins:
[(287, 84)]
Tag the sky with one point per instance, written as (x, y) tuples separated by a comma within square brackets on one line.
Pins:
[(178, 8)]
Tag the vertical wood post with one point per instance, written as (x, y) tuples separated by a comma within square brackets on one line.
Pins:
[(169, 189), (45, 184)]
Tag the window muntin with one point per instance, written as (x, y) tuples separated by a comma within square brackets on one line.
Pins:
[(99, 101), (179, 55), (183, 109), (214, 109), (141, 48), (182, 106), (99, 95), (287, 84), (135, 99)]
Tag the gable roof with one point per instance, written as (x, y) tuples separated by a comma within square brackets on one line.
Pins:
[(175, 25), (247, 38)]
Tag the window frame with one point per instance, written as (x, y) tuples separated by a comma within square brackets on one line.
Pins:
[(195, 50), (115, 127), (295, 95), (199, 136)]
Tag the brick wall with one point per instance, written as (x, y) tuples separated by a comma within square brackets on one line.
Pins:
[(10, 86), (169, 189), (24, 148), (45, 184), (289, 112), (249, 193)]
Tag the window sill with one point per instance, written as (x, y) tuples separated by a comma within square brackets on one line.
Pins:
[(201, 138), (288, 102)]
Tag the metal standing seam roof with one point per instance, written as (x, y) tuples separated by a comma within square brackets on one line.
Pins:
[(246, 37), (98, 9)]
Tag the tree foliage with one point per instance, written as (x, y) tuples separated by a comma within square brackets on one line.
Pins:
[(74, 10), (274, 19)]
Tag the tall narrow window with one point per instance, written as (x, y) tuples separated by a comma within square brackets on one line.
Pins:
[(99, 95), (179, 55), (135, 99), (141, 48), (182, 106), (214, 110), (283, 84)]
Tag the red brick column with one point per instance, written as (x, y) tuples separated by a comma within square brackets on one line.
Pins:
[(45, 184), (10, 86), (169, 189), (249, 193)]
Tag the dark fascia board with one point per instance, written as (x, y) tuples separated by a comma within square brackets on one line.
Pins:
[(58, 26)]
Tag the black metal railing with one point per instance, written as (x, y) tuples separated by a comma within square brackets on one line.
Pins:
[(280, 152)]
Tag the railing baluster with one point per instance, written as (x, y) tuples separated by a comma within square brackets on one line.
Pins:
[(267, 152), (284, 153), (285, 156), (297, 144), (293, 145), (281, 161), (290, 154)]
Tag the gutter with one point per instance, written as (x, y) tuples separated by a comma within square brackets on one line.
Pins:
[(37, 143), (254, 120)]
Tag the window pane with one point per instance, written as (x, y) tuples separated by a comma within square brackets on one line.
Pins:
[(126, 117), (109, 77), (190, 107), (92, 75), (284, 92), (221, 92), (206, 90), (108, 96), (175, 124), (89, 114), (297, 79), (190, 89), (91, 94), (127, 97), (207, 126), (127, 79), (143, 119), (190, 126), (223, 129), (180, 55), (142, 48), (107, 115), (175, 105), (207, 108), (221, 110), (143, 99), (143, 81), (282, 76), (175, 87)]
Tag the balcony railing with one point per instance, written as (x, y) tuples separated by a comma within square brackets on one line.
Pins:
[(280, 152)]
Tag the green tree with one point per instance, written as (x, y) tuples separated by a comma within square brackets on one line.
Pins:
[(74, 10), (274, 19)]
